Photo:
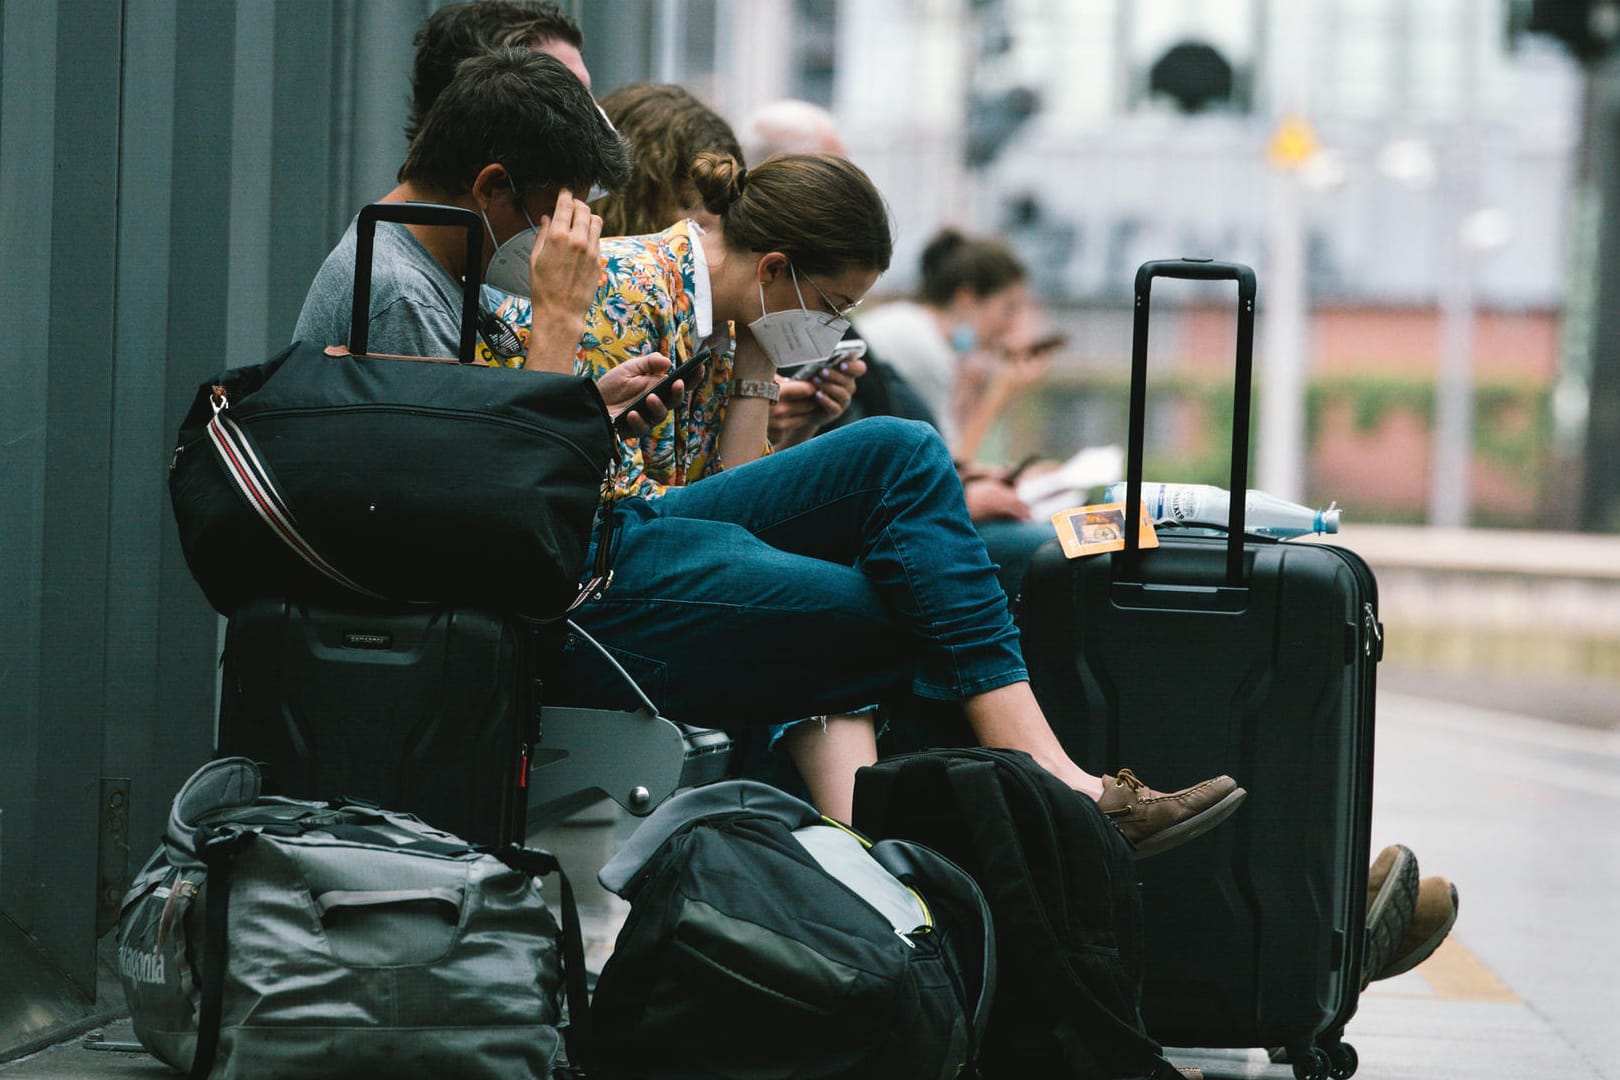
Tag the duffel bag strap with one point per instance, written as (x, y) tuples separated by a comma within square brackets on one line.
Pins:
[(537, 863), (601, 571), (252, 479), (218, 852)]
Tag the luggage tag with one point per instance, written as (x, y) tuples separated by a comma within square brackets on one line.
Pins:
[(1092, 530)]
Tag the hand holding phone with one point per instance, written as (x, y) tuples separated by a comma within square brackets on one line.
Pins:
[(680, 373), (1038, 347), (844, 351)]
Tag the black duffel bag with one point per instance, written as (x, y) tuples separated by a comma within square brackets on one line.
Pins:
[(416, 480), (321, 474)]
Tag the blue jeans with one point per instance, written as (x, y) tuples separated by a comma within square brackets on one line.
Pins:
[(817, 580), (1011, 545)]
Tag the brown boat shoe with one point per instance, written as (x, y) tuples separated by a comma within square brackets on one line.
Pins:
[(1436, 914), (1153, 821), (1392, 897)]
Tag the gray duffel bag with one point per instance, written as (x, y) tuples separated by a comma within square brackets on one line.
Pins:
[(269, 937)]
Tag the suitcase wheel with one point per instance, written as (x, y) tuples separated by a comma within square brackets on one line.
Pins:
[(1310, 1062), (1342, 1060)]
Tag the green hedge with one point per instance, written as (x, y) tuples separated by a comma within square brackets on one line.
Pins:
[(1512, 419)]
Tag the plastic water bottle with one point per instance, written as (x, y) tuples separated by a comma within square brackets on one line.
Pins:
[(1208, 505)]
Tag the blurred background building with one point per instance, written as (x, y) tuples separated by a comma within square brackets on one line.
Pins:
[(1404, 175)]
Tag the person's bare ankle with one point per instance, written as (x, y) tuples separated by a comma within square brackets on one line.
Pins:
[(1074, 776)]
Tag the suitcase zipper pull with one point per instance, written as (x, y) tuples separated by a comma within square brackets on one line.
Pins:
[(1375, 633), (218, 400)]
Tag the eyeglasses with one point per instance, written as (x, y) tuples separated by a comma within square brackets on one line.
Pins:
[(833, 311)]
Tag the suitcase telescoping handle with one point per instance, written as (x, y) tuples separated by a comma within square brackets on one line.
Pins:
[(1128, 568), (416, 213)]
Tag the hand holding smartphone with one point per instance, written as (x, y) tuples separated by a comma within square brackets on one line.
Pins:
[(850, 349), (680, 373)]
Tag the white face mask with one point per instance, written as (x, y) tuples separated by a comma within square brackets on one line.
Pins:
[(797, 336), (509, 267)]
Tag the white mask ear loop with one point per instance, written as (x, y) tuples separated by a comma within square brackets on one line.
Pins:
[(761, 284), (802, 305)]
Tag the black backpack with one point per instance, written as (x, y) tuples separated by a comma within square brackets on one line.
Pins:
[(1062, 890), (766, 941)]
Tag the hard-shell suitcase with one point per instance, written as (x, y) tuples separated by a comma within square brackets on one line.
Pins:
[(1228, 654), (435, 712)]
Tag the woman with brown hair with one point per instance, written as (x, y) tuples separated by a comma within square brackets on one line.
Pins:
[(753, 589), (667, 128), (974, 295)]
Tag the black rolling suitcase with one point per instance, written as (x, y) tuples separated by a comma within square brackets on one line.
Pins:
[(1228, 654), (349, 689), (433, 712)]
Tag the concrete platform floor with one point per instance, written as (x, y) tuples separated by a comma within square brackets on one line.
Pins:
[(1521, 812)]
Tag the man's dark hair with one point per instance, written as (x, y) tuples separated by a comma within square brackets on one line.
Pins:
[(524, 110), (461, 31)]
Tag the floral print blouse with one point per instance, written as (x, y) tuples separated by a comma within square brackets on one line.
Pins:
[(654, 297)]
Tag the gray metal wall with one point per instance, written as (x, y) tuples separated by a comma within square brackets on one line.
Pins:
[(171, 174)]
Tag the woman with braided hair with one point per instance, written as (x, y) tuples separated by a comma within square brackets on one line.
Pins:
[(753, 588)]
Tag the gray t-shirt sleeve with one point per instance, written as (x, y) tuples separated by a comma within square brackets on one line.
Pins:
[(415, 304)]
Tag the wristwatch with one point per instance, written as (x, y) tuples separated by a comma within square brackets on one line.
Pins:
[(769, 389)]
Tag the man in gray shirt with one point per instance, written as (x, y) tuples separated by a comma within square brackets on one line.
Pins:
[(511, 136)]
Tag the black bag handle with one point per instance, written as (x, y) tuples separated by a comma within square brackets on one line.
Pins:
[(1128, 567), (538, 863), (416, 213), (944, 880), (218, 853)]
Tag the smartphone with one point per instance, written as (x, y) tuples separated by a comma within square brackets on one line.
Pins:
[(1018, 470), (851, 349), (682, 371), (1047, 343)]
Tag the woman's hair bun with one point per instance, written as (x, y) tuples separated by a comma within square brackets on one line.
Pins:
[(719, 180)]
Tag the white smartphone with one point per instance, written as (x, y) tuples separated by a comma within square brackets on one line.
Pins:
[(851, 349)]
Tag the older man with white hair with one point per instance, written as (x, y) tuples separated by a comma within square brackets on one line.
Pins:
[(790, 126)]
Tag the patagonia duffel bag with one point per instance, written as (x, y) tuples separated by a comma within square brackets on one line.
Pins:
[(268, 937)]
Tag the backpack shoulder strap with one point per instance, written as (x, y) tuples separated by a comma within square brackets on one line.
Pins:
[(943, 881)]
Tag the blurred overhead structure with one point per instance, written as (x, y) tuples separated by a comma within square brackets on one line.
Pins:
[(1589, 391), (1451, 458), (1283, 303)]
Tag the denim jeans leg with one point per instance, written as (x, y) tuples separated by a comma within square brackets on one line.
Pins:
[(1012, 544), (721, 629), (883, 497)]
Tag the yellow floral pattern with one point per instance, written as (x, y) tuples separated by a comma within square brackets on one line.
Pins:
[(644, 304)]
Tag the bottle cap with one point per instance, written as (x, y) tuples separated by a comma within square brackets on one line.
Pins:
[(1327, 521)]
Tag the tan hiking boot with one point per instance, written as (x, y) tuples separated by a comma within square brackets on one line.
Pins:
[(1155, 822), (1392, 896), (1436, 914)]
